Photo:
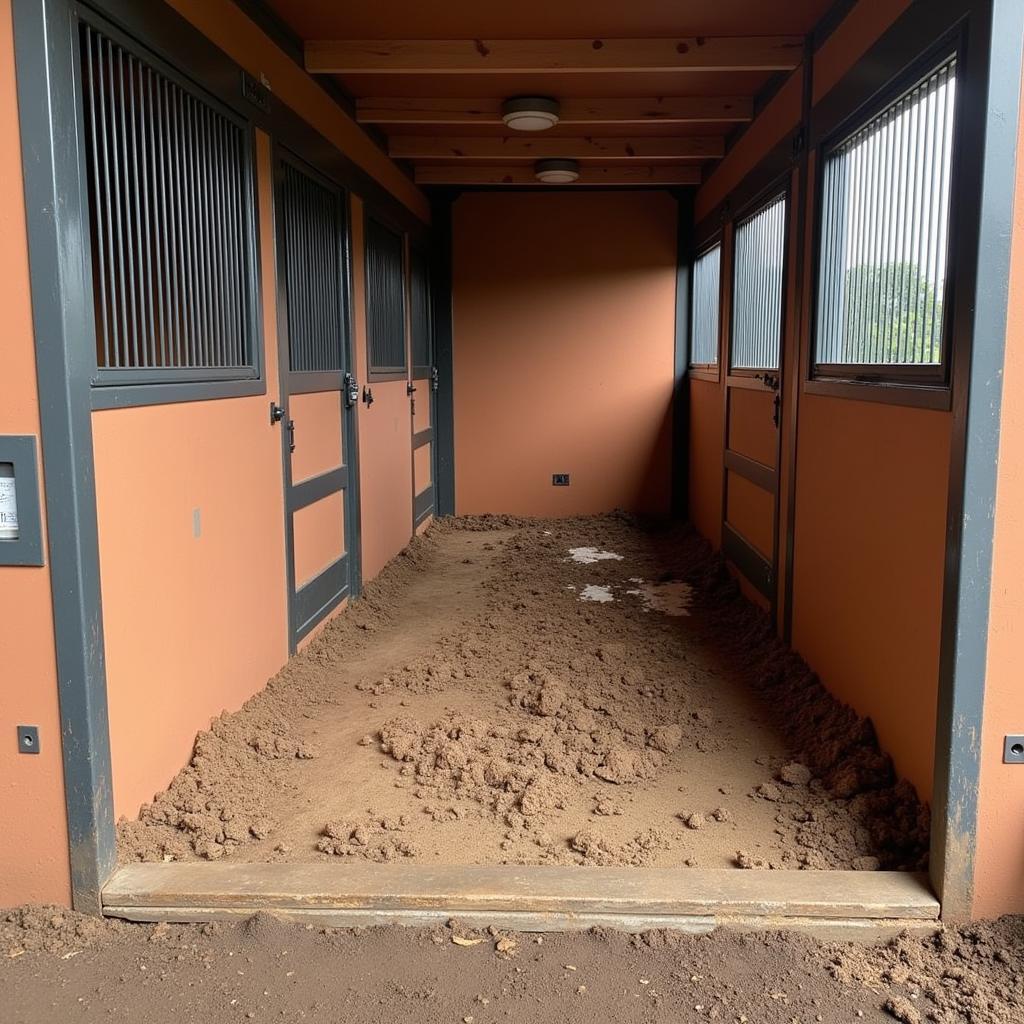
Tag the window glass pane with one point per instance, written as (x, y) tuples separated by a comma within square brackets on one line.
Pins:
[(385, 298), (312, 264), (760, 248), (885, 233), (169, 206), (704, 333)]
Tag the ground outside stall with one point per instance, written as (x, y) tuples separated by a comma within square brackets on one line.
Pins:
[(572, 692), (57, 966)]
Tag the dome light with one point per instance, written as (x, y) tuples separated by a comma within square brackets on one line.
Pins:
[(530, 113), (556, 172)]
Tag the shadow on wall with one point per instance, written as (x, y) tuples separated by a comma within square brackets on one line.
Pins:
[(564, 328)]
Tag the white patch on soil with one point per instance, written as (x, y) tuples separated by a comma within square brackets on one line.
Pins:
[(673, 598), (593, 592), (588, 556)]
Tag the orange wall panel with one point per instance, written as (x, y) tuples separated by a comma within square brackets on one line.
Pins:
[(752, 431), (750, 511), (319, 531), (421, 413), (706, 459), (318, 429), (422, 458), (869, 546), (385, 439), (227, 25), (34, 864), (564, 320), (193, 623), (999, 864)]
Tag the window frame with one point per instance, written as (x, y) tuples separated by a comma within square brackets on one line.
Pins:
[(779, 189), (416, 252), (927, 385), (379, 374), (706, 371), (110, 387)]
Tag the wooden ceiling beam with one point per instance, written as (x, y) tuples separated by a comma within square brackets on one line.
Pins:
[(628, 174), (569, 56), (539, 147), (667, 110)]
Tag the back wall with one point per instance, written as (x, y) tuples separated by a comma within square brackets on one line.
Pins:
[(564, 326)]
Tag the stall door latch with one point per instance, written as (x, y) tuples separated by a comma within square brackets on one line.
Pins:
[(435, 379), (351, 391)]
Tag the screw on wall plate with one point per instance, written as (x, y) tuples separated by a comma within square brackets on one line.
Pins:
[(28, 739), (1013, 749)]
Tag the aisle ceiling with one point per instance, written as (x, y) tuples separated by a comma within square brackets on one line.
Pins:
[(648, 91)]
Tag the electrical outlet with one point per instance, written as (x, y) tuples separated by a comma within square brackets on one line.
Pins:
[(1013, 749), (559, 479), (28, 739)]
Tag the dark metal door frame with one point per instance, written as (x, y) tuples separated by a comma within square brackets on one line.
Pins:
[(760, 570), (311, 602)]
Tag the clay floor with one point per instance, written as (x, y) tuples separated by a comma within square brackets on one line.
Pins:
[(57, 966), (566, 692)]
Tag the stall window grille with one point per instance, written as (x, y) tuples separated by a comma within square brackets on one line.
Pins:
[(313, 234), (704, 326), (885, 235), (385, 298), (419, 313), (169, 204), (758, 274)]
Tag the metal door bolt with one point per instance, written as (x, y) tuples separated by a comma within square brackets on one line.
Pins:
[(1013, 749), (28, 739)]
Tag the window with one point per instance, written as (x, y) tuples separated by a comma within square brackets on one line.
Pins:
[(385, 298), (170, 223), (704, 320), (758, 265), (311, 215), (420, 315), (885, 238)]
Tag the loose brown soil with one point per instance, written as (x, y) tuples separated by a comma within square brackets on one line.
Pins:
[(57, 966), (487, 703)]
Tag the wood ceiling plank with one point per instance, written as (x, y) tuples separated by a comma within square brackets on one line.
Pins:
[(570, 56), (522, 174), (668, 110), (536, 147)]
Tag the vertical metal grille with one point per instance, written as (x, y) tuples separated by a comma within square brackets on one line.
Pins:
[(385, 298), (885, 233), (704, 325), (313, 273), (169, 212), (759, 263), (419, 312)]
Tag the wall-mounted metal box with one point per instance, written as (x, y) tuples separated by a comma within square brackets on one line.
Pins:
[(21, 524)]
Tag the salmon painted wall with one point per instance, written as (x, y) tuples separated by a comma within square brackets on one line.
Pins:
[(999, 863), (706, 458), (869, 556), (385, 437), (248, 45), (195, 618), (564, 320), (34, 863), (871, 485)]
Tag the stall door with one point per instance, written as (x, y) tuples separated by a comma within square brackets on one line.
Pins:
[(318, 394), (753, 397), (422, 387)]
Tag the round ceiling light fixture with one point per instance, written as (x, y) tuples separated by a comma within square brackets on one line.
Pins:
[(530, 113), (557, 172)]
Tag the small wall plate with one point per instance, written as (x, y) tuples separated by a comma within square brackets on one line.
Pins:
[(28, 739), (1013, 749)]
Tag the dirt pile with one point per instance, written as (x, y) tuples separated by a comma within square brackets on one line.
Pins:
[(377, 838), (216, 819), (974, 974), (543, 718)]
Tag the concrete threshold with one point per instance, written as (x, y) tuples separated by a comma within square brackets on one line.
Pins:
[(856, 905)]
